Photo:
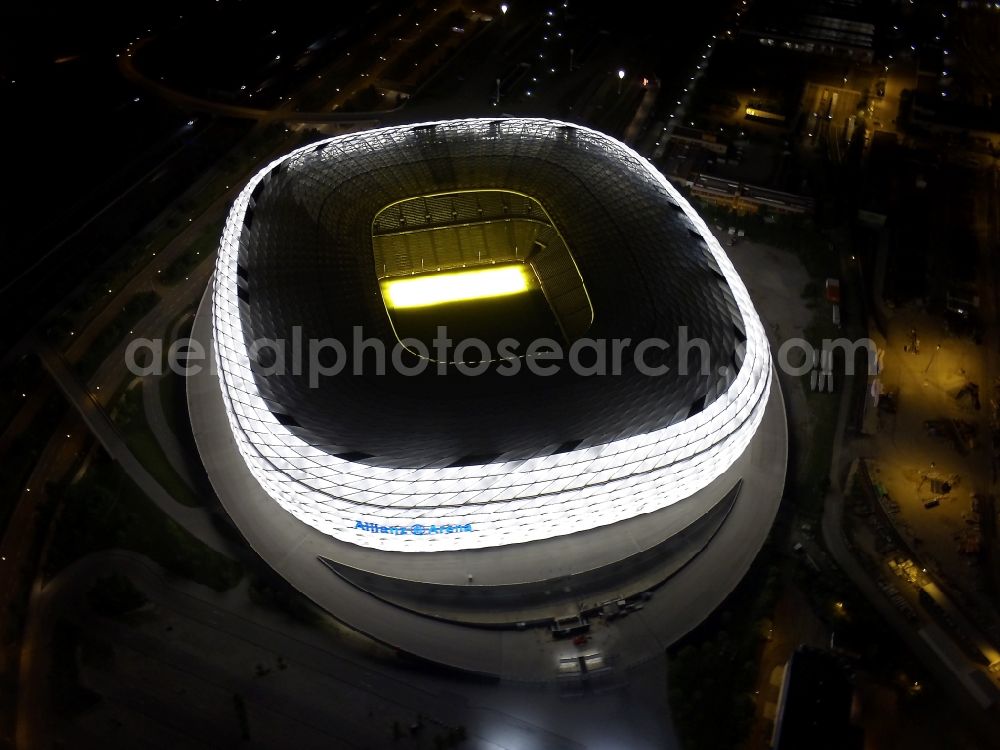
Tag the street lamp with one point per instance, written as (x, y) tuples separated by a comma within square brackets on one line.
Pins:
[(621, 77), (503, 8)]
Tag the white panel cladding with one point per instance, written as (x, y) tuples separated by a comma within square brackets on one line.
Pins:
[(492, 504)]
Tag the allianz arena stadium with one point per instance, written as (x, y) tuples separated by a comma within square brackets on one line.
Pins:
[(420, 492)]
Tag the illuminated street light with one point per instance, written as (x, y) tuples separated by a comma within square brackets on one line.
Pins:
[(621, 77), (503, 8)]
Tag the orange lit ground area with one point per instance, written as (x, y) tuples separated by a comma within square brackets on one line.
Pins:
[(486, 264)]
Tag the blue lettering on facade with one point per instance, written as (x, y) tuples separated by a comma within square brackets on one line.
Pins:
[(416, 529)]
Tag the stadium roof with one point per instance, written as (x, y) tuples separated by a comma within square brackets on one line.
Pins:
[(524, 456), (306, 260)]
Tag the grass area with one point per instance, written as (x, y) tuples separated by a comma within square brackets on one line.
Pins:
[(318, 94), (134, 310), (23, 454), (429, 49), (105, 510), (130, 416), (322, 91), (200, 249), (813, 449), (173, 386), (173, 396), (19, 378), (814, 467)]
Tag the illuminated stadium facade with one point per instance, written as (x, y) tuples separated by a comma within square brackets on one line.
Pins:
[(507, 231)]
